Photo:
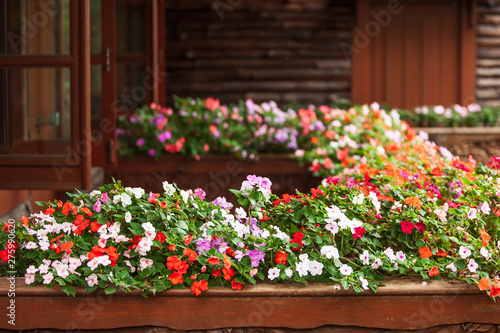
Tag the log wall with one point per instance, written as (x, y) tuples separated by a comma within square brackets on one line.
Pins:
[(282, 50), (488, 52)]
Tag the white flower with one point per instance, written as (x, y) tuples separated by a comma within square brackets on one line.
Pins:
[(273, 273), (138, 192), (333, 227), (400, 255), (452, 267), (94, 192), (346, 270), (485, 208), (92, 264), (104, 260), (148, 226), (303, 268), (47, 278), (358, 200), (473, 266), (364, 283), (377, 263), (364, 257), (241, 213), (169, 188), (144, 246), (126, 199), (184, 196), (472, 214), (485, 253), (289, 272), (145, 263), (389, 252), (128, 217), (31, 269), (315, 267), (62, 271), (43, 268), (116, 199), (29, 278), (92, 280), (101, 242), (31, 245), (304, 257), (464, 252), (330, 252)]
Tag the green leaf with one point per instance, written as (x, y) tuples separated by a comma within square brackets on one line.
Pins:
[(318, 239), (69, 290), (102, 219), (460, 264), (60, 281), (110, 290)]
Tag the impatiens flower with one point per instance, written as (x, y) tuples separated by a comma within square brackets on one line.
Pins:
[(407, 227), (228, 273), (485, 253), (358, 232), (273, 273), (47, 278), (315, 268), (302, 268), (377, 263), (434, 271), (236, 285), (472, 266), (97, 206), (364, 283), (346, 270), (452, 267), (472, 214), (281, 258), (420, 226), (216, 272), (400, 256), (187, 239), (213, 260), (289, 273), (192, 255), (358, 200), (330, 252), (425, 252), (495, 289), (297, 239), (485, 208), (389, 252), (29, 278), (168, 188), (176, 278), (198, 287), (484, 284), (145, 263), (365, 258), (464, 252)]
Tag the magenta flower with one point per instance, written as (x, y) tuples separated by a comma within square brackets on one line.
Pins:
[(359, 232), (407, 227), (105, 198), (200, 193), (140, 142), (152, 152)]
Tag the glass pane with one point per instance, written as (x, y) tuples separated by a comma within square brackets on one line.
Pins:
[(38, 107), (130, 27), (34, 27), (95, 27), (95, 95), (130, 85)]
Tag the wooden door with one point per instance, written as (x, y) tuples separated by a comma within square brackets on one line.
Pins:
[(420, 53)]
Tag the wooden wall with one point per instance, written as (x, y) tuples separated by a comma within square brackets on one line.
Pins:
[(282, 50), (488, 52)]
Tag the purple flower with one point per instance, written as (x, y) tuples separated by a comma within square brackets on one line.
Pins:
[(105, 198), (97, 206), (222, 203), (281, 135), (152, 152), (140, 142), (132, 119), (238, 255), (203, 244), (256, 256)]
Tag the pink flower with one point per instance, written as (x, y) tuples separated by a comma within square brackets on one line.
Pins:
[(358, 232), (104, 198), (97, 206), (441, 214), (200, 193), (472, 214), (47, 278), (140, 142)]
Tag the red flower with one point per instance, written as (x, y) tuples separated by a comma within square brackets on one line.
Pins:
[(441, 253), (188, 239), (4, 255), (172, 247), (216, 272), (192, 255), (281, 258), (25, 220), (163, 204), (230, 252), (94, 226), (236, 285), (135, 241), (407, 227), (49, 211), (495, 289), (176, 278), (198, 287), (173, 262), (161, 238), (67, 208), (359, 232), (420, 226), (228, 273), (484, 284), (434, 271), (297, 239), (213, 260), (212, 103), (86, 211)]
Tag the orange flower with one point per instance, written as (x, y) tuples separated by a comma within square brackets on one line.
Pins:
[(172, 247), (343, 154), (192, 255), (67, 247), (281, 258), (236, 285), (216, 272), (86, 211), (213, 260), (413, 201), (163, 204), (176, 278), (67, 208), (485, 237), (441, 253), (228, 273), (425, 252), (227, 261), (82, 227), (198, 287), (49, 211), (314, 140), (188, 239), (495, 290), (327, 163), (173, 262), (434, 271), (25, 220), (484, 284), (94, 226), (57, 238)]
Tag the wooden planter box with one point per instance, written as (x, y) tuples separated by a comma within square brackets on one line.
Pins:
[(215, 174), (480, 142), (401, 304)]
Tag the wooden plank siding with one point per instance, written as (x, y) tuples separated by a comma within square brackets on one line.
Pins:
[(488, 52), (276, 49)]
